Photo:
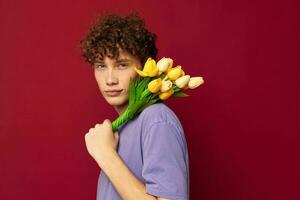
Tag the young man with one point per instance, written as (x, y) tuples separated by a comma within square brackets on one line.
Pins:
[(148, 157)]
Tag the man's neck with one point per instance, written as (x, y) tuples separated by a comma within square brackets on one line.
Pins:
[(121, 109)]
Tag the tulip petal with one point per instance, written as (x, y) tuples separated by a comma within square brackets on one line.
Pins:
[(182, 81), (166, 95), (166, 85), (195, 82), (155, 85), (150, 68), (163, 64), (175, 73), (141, 73)]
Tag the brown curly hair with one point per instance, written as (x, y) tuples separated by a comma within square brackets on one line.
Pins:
[(111, 32)]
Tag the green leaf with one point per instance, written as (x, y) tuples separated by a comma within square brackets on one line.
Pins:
[(132, 92), (180, 94), (142, 86), (137, 81)]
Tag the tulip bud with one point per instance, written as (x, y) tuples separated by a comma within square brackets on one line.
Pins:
[(175, 73), (166, 95), (155, 85), (164, 64), (170, 66), (195, 82), (166, 85), (182, 81), (150, 69)]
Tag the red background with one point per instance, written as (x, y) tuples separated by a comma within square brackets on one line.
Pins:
[(242, 125)]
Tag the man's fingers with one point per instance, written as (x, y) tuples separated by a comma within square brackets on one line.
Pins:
[(107, 123), (86, 136)]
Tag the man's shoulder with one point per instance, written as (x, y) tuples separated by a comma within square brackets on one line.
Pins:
[(159, 113), (159, 122), (160, 106)]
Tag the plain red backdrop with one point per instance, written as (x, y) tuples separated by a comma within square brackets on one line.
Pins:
[(242, 125)]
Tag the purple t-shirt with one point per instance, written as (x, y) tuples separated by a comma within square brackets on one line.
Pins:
[(154, 148)]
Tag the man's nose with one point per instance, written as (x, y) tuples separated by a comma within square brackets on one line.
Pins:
[(111, 79)]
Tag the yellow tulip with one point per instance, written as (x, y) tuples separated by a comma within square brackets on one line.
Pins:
[(195, 82), (164, 64), (182, 81), (166, 85), (175, 73), (150, 69), (166, 95), (173, 68), (155, 85)]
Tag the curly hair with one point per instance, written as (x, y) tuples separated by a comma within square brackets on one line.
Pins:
[(111, 32)]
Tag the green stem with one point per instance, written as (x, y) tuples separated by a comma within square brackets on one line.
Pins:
[(131, 111), (175, 88), (145, 93), (123, 118)]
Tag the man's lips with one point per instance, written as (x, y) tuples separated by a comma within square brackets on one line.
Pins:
[(113, 93)]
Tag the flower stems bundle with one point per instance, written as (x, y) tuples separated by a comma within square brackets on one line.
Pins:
[(156, 82)]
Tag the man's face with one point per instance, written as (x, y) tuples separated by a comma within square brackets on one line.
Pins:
[(113, 77)]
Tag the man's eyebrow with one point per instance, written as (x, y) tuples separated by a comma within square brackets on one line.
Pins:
[(99, 61), (117, 60), (123, 60)]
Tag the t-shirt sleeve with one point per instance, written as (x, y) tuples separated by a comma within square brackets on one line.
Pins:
[(165, 166)]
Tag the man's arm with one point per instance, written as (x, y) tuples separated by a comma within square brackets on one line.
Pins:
[(125, 182), (101, 144)]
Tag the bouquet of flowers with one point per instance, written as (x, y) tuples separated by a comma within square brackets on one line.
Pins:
[(156, 82)]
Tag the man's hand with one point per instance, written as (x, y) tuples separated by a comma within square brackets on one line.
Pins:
[(101, 141)]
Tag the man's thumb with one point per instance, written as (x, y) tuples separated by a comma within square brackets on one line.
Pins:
[(117, 135)]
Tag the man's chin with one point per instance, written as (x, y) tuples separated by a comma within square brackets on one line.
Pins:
[(116, 102)]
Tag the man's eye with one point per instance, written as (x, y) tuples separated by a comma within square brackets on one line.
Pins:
[(100, 66), (123, 65)]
